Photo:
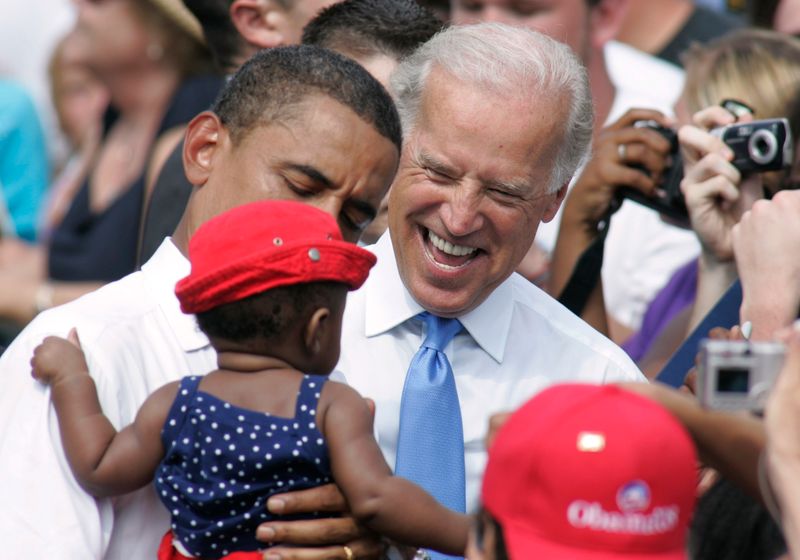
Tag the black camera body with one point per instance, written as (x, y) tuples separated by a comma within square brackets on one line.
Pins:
[(764, 145), (669, 200), (758, 146)]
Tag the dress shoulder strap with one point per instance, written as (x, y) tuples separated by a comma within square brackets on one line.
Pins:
[(177, 412), (308, 395)]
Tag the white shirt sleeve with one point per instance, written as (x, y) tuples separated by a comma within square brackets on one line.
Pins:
[(35, 476)]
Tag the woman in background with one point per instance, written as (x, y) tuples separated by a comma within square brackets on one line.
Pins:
[(151, 58)]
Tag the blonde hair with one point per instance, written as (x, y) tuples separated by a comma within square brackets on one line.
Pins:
[(756, 66)]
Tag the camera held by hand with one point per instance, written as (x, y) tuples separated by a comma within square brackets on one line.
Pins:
[(737, 374), (764, 145), (758, 146)]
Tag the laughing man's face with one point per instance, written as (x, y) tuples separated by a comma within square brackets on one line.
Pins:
[(471, 190)]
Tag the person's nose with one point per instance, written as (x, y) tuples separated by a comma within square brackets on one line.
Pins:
[(333, 206), (461, 213)]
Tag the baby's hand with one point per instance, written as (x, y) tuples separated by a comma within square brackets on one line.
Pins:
[(58, 357)]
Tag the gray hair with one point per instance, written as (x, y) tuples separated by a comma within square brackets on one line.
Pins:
[(511, 61)]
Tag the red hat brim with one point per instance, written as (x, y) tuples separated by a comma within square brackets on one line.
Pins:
[(334, 261)]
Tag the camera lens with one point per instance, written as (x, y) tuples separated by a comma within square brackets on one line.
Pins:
[(762, 147)]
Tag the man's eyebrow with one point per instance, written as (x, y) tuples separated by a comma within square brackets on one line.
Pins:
[(312, 173), (424, 159), (517, 187)]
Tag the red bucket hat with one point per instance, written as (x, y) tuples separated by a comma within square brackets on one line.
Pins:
[(586, 472), (265, 245)]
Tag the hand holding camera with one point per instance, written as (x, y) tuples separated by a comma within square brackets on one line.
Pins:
[(704, 180), (737, 374), (714, 190), (623, 156)]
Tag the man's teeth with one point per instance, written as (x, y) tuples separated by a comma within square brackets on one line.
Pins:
[(449, 248)]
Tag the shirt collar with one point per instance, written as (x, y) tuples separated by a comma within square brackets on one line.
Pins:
[(161, 273), (389, 304)]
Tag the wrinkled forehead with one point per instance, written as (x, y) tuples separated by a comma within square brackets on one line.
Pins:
[(500, 137)]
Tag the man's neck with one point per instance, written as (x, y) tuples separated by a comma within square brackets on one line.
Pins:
[(182, 234)]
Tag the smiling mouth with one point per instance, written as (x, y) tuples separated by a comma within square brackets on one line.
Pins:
[(447, 255)]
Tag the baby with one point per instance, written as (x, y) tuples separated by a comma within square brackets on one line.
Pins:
[(268, 284)]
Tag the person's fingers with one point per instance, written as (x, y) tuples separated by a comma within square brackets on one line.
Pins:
[(310, 532), (34, 369), (361, 549), (696, 143), (721, 333), (635, 178), (633, 115), (74, 338), (713, 117), (644, 156), (717, 188), (711, 165), (371, 407), (320, 498), (690, 382), (496, 421), (648, 137)]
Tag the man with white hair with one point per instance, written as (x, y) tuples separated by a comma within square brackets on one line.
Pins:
[(496, 121), (641, 251)]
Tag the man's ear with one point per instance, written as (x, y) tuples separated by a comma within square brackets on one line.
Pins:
[(555, 203), (262, 23), (203, 139), (315, 330), (606, 20)]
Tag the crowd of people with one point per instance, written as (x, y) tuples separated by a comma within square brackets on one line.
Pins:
[(358, 279)]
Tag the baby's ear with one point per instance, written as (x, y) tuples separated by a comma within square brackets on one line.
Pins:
[(315, 330)]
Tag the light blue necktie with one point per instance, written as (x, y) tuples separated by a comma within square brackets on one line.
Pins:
[(430, 446)]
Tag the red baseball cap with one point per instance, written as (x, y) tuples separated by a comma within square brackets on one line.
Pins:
[(264, 245), (587, 472)]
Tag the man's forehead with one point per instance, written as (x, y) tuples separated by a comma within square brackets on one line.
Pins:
[(468, 132)]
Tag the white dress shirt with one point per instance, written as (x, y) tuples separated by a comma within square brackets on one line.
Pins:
[(136, 339), (515, 343)]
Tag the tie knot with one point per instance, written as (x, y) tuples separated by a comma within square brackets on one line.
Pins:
[(440, 331)]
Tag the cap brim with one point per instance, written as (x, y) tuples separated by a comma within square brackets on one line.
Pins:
[(523, 545)]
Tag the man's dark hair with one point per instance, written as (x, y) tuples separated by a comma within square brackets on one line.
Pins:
[(370, 27), (273, 82), (267, 315), (482, 520), (221, 35)]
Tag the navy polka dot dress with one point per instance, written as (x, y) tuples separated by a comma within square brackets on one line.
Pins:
[(222, 463)]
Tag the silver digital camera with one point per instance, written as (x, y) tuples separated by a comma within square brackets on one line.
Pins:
[(736, 374), (764, 145)]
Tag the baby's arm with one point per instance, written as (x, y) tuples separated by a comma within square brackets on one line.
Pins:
[(104, 461), (387, 504)]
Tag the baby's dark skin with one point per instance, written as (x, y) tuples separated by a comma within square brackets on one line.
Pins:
[(108, 463)]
